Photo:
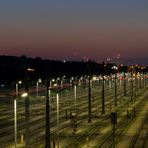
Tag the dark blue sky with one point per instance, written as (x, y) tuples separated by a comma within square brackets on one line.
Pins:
[(73, 29)]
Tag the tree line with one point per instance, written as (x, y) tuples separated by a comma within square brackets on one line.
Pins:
[(14, 68)]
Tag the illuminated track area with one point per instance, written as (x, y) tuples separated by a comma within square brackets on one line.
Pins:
[(73, 131)]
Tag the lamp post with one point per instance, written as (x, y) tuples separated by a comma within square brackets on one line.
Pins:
[(70, 82), (89, 66), (103, 97), (57, 81), (15, 112), (47, 140), (62, 81), (115, 68), (140, 81), (15, 121), (57, 109), (89, 99), (125, 84), (131, 84), (27, 116), (75, 94), (37, 86), (27, 75), (146, 78), (57, 120), (25, 95), (115, 88), (109, 81), (16, 87)]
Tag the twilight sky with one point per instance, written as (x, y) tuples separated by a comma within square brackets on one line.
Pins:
[(74, 29)]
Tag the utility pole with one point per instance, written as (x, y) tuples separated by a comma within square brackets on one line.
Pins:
[(115, 87), (47, 140), (131, 84), (15, 115), (89, 66), (115, 71), (103, 97), (125, 84), (27, 116), (89, 99)]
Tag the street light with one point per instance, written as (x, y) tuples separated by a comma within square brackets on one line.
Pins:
[(75, 94), (103, 97), (37, 86), (57, 109), (15, 115), (62, 81), (71, 82), (125, 84), (27, 134), (132, 84), (57, 80), (89, 99), (57, 120), (115, 68), (15, 121), (15, 112), (24, 95), (16, 87)]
